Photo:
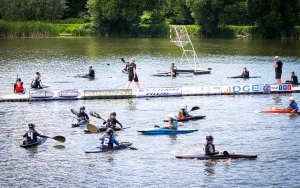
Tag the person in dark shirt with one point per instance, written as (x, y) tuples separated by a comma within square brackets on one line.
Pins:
[(210, 147), (31, 135), (245, 73), (278, 69), (91, 73), (112, 121), (36, 83), (173, 70), (132, 74), (294, 79)]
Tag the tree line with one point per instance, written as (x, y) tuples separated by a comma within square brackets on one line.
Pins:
[(271, 18)]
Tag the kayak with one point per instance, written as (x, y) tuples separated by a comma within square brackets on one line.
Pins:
[(189, 118), (80, 123), (38, 142), (215, 157), (245, 77), (165, 130), (279, 111), (290, 82), (98, 149), (102, 129)]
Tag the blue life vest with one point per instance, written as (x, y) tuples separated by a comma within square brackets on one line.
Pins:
[(106, 142)]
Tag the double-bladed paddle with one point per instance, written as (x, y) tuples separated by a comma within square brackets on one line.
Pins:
[(96, 115), (59, 138), (129, 147), (123, 60), (195, 108), (92, 128), (74, 112)]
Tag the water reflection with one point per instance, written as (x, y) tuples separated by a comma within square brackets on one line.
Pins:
[(209, 170)]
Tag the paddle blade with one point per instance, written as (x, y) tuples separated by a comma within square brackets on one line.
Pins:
[(195, 108), (95, 114), (123, 60), (59, 138), (74, 112), (92, 128)]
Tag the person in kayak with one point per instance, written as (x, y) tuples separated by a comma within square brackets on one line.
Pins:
[(132, 74), (245, 73), (173, 124), (210, 147), (293, 105), (36, 83), (82, 116), (173, 70), (112, 121), (18, 86), (31, 135), (183, 113), (108, 140), (91, 73), (278, 69), (294, 79)]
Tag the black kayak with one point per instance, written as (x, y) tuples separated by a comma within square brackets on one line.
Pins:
[(245, 77), (98, 149), (216, 157), (38, 142), (188, 118), (102, 129)]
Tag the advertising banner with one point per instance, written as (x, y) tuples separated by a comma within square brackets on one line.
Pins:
[(98, 94), (201, 90), (159, 92), (54, 94)]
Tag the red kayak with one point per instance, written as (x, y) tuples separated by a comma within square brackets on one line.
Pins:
[(279, 111)]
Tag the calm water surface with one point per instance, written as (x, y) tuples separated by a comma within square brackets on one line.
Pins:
[(234, 121)]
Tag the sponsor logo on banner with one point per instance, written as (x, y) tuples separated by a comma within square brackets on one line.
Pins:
[(155, 92), (55, 95), (248, 88), (107, 93), (281, 87), (201, 90)]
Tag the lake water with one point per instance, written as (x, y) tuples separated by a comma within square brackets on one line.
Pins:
[(234, 121)]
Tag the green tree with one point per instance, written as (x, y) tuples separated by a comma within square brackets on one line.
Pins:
[(207, 14), (75, 8), (20, 10), (275, 18), (178, 13)]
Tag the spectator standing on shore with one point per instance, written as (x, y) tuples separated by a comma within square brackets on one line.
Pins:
[(278, 69)]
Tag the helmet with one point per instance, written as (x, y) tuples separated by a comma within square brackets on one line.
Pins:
[(209, 138), (171, 116), (113, 113), (109, 130), (292, 99), (82, 108), (31, 125), (184, 105)]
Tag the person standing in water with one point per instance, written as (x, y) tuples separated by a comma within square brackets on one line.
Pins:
[(278, 69), (132, 74)]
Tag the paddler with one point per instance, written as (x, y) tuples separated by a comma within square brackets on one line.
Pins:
[(108, 140), (91, 73), (126, 66), (173, 70), (172, 121), (36, 83), (31, 135), (112, 121), (245, 73), (183, 113), (82, 116), (294, 78), (293, 105), (210, 147), (18, 86)]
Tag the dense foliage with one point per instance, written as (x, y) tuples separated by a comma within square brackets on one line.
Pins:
[(270, 18)]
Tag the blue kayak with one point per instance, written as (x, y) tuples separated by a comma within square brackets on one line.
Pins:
[(166, 130), (38, 142)]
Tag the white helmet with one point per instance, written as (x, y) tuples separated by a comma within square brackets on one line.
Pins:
[(171, 116), (292, 99), (184, 105)]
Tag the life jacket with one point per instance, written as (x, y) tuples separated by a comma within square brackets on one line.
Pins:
[(290, 106), (19, 87), (207, 152), (31, 136), (111, 123), (182, 114), (174, 123), (106, 142)]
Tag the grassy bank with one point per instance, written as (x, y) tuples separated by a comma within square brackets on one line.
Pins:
[(42, 29)]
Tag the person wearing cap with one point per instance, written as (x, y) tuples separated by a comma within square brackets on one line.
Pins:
[(245, 73), (293, 105), (82, 117), (210, 147), (112, 121), (18, 86), (31, 135), (173, 124), (278, 69), (183, 113), (36, 83), (108, 140), (132, 74), (294, 79), (91, 73), (173, 70)]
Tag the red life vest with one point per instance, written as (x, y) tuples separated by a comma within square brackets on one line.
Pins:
[(19, 87)]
